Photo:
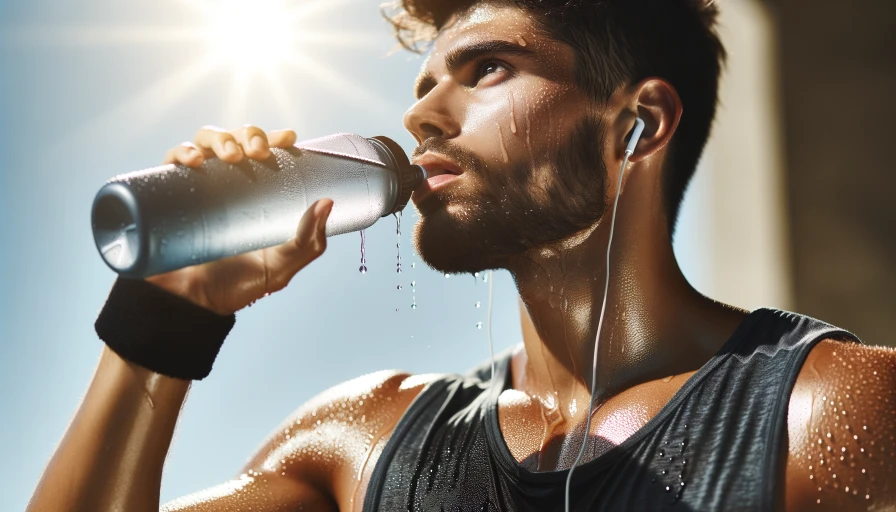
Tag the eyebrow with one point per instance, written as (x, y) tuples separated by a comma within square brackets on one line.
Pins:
[(456, 58)]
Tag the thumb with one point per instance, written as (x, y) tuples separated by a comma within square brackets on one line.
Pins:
[(310, 240)]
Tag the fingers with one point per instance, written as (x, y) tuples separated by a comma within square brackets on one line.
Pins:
[(186, 154), (252, 141), (231, 146), (310, 242), (218, 142), (282, 138)]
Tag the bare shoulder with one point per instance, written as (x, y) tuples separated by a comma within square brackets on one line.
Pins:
[(315, 458), (842, 430), (337, 426)]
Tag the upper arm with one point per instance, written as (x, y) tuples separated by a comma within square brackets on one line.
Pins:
[(841, 426), (312, 459)]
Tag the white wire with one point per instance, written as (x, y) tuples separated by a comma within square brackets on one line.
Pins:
[(600, 322), (491, 346)]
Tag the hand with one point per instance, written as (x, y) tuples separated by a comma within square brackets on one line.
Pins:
[(228, 285)]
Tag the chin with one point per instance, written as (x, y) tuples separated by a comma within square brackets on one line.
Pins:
[(456, 245)]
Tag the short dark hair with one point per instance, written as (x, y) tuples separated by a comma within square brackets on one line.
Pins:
[(616, 42)]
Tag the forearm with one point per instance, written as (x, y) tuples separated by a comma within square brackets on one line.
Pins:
[(112, 454)]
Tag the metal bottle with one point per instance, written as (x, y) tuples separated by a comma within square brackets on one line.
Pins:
[(169, 217)]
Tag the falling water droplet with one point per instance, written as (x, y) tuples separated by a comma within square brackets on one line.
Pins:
[(399, 287), (447, 276), (363, 268), (479, 325), (478, 304), (484, 278)]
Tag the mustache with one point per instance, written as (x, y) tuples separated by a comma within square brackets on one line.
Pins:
[(462, 156)]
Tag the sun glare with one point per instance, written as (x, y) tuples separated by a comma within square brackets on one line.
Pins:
[(262, 42), (251, 35)]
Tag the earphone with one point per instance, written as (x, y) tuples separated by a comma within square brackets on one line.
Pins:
[(629, 151)]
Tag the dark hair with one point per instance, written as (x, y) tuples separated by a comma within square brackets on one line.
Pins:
[(616, 42)]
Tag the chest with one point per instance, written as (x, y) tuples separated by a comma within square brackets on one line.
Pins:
[(547, 437)]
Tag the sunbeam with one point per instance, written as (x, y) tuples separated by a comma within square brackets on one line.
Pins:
[(256, 40)]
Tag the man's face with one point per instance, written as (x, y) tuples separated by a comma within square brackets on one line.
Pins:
[(518, 146)]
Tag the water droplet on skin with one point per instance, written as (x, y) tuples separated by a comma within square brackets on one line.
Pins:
[(521, 41), (512, 115), (504, 154), (667, 379)]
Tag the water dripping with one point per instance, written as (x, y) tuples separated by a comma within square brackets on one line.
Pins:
[(512, 115), (478, 304), (485, 278), (363, 268), (504, 154), (398, 242), (479, 325), (521, 41), (447, 276)]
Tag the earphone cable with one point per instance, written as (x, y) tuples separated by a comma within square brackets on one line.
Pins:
[(600, 322)]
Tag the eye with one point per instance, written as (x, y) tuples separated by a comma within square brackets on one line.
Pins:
[(488, 67)]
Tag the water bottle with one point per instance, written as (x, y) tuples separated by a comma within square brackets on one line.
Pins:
[(169, 217)]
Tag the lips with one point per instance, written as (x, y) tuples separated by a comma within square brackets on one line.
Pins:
[(441, 171)]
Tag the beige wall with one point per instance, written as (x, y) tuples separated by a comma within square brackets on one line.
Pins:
[(732, 236)]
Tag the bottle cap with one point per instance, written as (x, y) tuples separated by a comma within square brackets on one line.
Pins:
[(409, 176)]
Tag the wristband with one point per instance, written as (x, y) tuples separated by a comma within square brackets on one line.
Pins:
[(161, 331)]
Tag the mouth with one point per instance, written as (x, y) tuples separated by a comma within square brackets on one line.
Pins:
[(440, 170)]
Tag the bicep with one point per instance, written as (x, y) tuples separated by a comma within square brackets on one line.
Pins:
[(261, 492)]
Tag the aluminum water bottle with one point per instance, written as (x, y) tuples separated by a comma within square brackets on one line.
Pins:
[(169, 217)]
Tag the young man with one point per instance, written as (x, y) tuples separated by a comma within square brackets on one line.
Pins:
[(524, 112)]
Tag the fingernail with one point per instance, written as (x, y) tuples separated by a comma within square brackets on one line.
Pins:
[(257, 143), (230, 147)]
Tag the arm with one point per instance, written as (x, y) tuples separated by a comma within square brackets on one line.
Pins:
[(112, 454), (841, 428), (322, 455)]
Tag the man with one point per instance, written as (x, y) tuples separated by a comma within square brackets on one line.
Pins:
[(524, 112)]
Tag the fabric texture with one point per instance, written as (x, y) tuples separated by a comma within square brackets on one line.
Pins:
[(161, 331), (718, 444)]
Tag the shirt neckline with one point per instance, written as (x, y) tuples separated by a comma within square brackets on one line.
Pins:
[(497, 444)]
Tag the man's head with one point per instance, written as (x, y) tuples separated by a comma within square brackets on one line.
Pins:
[(532, 98)]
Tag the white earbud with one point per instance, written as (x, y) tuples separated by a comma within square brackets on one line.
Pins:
[(636, 135)]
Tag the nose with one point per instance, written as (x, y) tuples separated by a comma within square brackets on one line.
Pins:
[(431, 117)]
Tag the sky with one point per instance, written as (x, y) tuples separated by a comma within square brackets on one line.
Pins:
[(94, 88)]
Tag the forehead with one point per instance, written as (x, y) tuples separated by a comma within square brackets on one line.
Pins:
[(485, 21)]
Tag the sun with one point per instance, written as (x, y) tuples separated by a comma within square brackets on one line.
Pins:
[(261, 42), (251, 36)]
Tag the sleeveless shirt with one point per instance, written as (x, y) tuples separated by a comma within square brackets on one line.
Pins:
[(718, 444)]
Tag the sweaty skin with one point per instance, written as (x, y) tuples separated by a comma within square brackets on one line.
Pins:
[(504, 107)]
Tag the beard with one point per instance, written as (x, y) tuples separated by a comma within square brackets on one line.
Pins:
[(504, 211)]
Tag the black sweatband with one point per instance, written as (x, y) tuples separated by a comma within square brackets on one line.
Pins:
[(161, 331)]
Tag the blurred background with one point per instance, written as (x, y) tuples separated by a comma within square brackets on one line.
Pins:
[(791, 206)]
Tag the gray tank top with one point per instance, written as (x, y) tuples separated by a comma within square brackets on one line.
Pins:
[(719, 444)]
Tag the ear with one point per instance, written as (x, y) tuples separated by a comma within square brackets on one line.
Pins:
[(658, 105)]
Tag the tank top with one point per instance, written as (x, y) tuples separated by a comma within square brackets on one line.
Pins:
[(718, 444)]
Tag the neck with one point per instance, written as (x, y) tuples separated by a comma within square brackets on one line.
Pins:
[(655, 324)]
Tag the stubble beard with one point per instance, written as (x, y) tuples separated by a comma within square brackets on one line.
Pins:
[(514, 208)]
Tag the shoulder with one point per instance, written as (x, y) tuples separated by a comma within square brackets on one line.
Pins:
[(841, 425), (326, 439)]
